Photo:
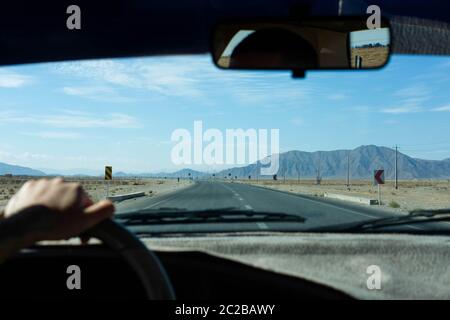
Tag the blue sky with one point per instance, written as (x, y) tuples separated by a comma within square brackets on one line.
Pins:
[(122, 112), (364, 37)]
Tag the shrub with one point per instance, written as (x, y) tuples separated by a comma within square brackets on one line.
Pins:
[(394, 204)]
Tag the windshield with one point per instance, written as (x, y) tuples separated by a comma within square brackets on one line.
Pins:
[(174, 136)]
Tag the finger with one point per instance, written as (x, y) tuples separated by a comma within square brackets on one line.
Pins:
[(101, 207), (9, 209), (85, 200), (98, 212), (58, 180), (82, 197)]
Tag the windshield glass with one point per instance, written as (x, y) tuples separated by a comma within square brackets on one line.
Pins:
[(182, 140)]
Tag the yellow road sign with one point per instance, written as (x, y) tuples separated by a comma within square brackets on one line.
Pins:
[(108, 173)]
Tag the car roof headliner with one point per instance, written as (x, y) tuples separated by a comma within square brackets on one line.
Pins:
[(36, 31)]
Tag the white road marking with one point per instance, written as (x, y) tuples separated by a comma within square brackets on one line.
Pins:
[(248, 207), (162, 201), (240, 199), (262, 225), (334, 206)]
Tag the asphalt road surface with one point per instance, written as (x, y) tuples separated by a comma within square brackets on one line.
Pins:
[(220, 195)]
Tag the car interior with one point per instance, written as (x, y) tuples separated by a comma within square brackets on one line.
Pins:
[(125, 261)]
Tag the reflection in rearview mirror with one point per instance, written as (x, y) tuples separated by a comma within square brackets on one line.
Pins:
[(339, 43), (369, 48), (224, 60)]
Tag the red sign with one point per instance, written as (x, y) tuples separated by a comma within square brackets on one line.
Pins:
[(378, 177)]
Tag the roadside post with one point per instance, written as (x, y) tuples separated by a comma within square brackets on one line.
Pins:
[(358, 62), (378, 179), (108, 178)]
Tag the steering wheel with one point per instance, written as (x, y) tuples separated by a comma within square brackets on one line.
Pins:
[(143, 261)]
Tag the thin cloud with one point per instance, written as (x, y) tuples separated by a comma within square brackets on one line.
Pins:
[(13, 80), (416, 90), (411, 100), (442, 109), (54, 135), (106, 70), (67, 120), (402, 110), (177, 76), (337, 97), (86, 91), (297, 121), (9, 157), (161, 75), (99, 93)]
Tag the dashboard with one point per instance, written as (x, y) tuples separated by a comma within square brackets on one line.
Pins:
[(41, 272), (243, 266)]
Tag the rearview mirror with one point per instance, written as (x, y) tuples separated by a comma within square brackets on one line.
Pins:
[(316, 43)]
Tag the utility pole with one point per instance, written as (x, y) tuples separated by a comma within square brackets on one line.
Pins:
[(396, 168), (348, 170), (318, 176)]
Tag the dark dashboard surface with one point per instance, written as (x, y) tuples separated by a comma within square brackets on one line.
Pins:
[(42, 273)]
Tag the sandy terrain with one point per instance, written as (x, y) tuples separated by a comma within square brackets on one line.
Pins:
[(96, 188), (411, 195)]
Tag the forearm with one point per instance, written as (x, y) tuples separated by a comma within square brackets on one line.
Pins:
[(16, 233)]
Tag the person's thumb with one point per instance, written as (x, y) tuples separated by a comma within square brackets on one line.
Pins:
[(99, 211)]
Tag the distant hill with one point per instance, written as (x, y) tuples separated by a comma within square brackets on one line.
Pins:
[(184, 173), (333, 165), (363, 160), (71, 172), (18, 170)]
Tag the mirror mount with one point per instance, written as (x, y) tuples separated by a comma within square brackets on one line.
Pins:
[(298, 74)]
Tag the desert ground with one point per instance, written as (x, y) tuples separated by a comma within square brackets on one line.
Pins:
[(96, 188), (371, 57), (410, 195)]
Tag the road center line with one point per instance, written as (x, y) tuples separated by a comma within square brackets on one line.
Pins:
[(330, 205), (171, 197), (262, 225), (159, 202)]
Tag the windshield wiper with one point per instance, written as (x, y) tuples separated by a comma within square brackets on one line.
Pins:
[(182, 216), (415, 217)]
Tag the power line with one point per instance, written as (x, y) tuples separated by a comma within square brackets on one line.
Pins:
[(396, 169)]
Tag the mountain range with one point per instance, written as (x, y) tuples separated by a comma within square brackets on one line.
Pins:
[(362, 162), (293, 164), (18, 170)]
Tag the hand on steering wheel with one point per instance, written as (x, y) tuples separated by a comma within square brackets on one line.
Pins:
[(54, 210)]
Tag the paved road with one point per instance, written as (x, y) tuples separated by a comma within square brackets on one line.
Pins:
[(218, 195)]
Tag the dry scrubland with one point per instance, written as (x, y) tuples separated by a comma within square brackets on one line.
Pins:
[(96, 188), (411, 195), (371, 57)]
